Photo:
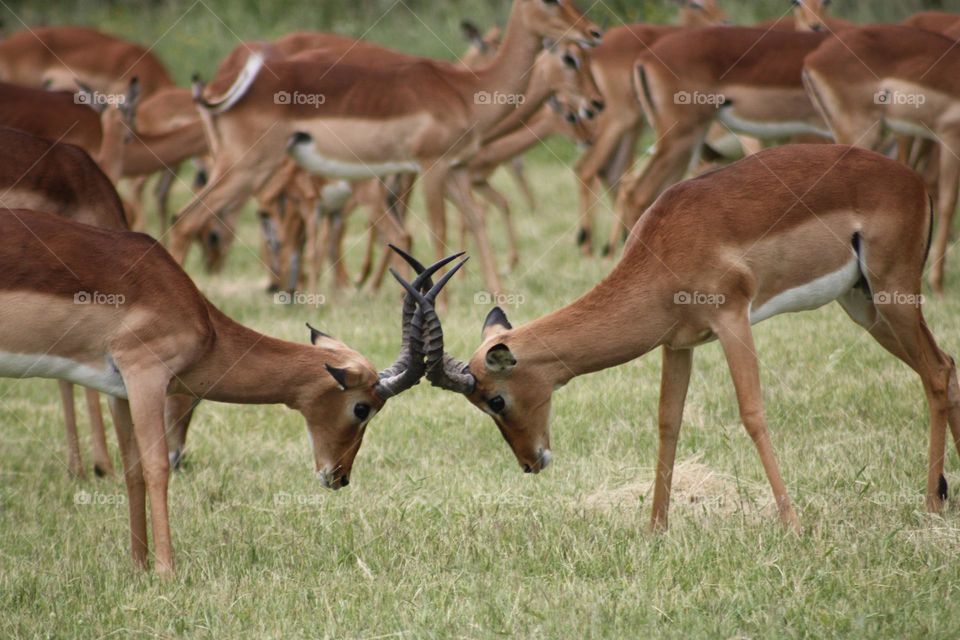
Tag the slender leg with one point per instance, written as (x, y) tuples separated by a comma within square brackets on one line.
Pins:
[(147, 399), (515, 167), (494, 197), (178, 413), (463, 197), (74, 462), (737, 342), (588, 171), (102, 466), (674, 381), (947, 205), (133, 477), (434, 182)]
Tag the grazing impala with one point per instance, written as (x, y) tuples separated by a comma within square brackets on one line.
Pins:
[(862, 90), (936, 21), (749, 80), (63, 56), (372, 122), (157, 336), (788, 229)]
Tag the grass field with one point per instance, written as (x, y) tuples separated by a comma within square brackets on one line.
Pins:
[(441, 535)]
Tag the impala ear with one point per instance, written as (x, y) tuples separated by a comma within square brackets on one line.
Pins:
[(499, 359), (340, 375), (316, 335), (471, 32), (495, 323)]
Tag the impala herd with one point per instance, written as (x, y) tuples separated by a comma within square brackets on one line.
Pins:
[(314, 125)]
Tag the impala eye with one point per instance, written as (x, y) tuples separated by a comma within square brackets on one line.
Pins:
[(362, 411), (570, 61), (497, 404)]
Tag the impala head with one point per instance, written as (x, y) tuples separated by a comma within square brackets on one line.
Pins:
[(577, 81), (559, 20), (576, 127), (701, 13), (483, 46), (512, 392), (810, 15), (349, 394)]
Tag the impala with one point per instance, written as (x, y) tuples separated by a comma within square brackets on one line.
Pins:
[(936, 21), (788, 229), (619, 127), (861, 90), (60, 57), (358, 133), (749, 80), (160, 336)]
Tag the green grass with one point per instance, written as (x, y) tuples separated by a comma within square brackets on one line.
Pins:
[(441, 535)]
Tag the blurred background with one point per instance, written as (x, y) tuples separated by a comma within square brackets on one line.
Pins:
[(193, 35)]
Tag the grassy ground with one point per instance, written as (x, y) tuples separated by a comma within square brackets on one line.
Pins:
[(441, 535)]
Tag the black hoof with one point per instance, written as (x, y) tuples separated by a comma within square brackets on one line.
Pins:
[(99, 471), (942, 488), (607, 250), (583, 237)]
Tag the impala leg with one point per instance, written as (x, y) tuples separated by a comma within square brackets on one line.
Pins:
[(434, 182), (736, 339), (463, 197), (674, 381), (162, 194), (133, 478), (391, 228), (494, 197), (102, 466), (177, 415), (949, 181), (147, 400), (668, 165), (588, 177), (515, 167), (311, 247), (74, 462), (901, 330)]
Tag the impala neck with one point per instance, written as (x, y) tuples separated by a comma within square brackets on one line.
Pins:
[(505, 148), (622, 318), (113, 134), (243, 366), (507, 76), (145, 154)]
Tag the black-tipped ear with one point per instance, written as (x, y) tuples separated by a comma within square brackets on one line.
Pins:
[(316, 334), (340, 375), (470, 31), (499, 358), (495, 323)]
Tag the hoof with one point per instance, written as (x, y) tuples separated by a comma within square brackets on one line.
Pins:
[(100, 472), (942, 488), (607, 250), (583, 237)]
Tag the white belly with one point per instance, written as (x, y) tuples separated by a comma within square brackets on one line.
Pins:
[(29, 365), (307, 156), (335, 195), (909, 128), (769, 129), (812, 295)]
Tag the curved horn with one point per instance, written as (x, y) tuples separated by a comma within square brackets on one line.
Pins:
[(442, 369), (409, 366)]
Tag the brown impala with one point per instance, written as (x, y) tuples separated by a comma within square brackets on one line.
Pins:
[(142, 332), (788, 229)]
